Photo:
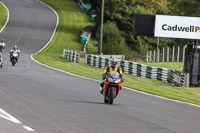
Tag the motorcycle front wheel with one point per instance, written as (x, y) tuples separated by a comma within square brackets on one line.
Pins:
[(14, 61), (111, 96)]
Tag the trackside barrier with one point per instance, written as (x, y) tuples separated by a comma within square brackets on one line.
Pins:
[(166, 75), (71, 55), (84, 6)]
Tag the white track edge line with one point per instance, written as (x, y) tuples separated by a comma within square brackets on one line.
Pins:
[(195, 105), (8, 17), (54, 29), (8, 116), (177, 101), (28, 128)]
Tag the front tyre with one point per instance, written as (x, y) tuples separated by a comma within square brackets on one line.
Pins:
[(111, 96), (14, 61)]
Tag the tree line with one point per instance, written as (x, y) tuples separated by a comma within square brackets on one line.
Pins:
[(119, 21)]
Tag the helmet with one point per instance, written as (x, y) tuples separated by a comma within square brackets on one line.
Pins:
[(15, 47), (2, 40), (114, 62)]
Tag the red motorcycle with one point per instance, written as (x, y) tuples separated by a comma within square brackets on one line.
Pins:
[(112, 87)]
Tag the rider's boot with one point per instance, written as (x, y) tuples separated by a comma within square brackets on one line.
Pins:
[(101, 90)]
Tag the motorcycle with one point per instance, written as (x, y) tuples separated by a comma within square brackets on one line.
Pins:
[(112, 87), (14, 58), (1, 48)]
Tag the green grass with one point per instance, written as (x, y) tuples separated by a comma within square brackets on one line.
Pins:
[(169, 65), (72, 20), (4, 15)]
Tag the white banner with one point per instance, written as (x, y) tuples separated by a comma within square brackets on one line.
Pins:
[(177, 27)]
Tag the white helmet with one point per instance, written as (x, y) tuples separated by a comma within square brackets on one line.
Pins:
[(15, 47)]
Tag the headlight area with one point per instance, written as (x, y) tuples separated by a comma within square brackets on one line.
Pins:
[(110, 80), (117, 81)]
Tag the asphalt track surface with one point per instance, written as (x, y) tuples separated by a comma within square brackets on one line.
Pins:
[(50, 101)]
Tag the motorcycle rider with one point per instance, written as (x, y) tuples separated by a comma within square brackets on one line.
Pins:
[(112, 67), (2, 44), (13, 51)]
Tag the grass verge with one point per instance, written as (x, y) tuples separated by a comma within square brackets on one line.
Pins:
[(4, 15), (169, 65), (72, 20)]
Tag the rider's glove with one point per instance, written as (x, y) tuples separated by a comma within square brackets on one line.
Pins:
[(103, 76)]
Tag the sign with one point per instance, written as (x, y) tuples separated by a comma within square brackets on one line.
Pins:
[(177, 27)]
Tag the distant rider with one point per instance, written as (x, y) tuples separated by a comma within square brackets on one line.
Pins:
[(14, 50), (2, 44), (112, 67)]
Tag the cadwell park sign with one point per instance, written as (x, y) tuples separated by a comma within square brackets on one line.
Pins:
[(177, 27)]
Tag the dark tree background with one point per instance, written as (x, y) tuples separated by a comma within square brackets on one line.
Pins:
[(119, 17)]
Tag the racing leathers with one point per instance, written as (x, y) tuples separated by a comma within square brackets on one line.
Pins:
[(14, 51)]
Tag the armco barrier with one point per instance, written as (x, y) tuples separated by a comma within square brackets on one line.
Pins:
[(166, 75), (71, 55)]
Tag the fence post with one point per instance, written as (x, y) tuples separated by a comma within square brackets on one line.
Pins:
[(154, 55), (167, 54), (173, 51), (183, 53), (163, 59), (158, 56), (150, 53), (178, 54), (186, 80)]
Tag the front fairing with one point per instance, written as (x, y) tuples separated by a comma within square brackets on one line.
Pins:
[(114, 77), (113, 81)]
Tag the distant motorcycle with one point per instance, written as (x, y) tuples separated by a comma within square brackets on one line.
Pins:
[(1, 48), (14, 58), (112, 87)]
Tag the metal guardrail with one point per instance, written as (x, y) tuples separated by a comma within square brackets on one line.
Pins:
[(166, 75), (71, 55)]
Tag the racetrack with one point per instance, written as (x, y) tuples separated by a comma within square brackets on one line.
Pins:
[(50, 101)]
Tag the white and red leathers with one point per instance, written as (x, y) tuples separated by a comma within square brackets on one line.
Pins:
[(14, 51)]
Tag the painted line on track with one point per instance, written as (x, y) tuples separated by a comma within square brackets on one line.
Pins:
[(54, 29), (160, 97), (9, 117), (28, 128), (3, 113)]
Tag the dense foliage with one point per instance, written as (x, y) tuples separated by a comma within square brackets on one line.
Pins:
[(122, 12)]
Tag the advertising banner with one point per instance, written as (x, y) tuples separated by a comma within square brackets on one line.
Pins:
[(177, 27)]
